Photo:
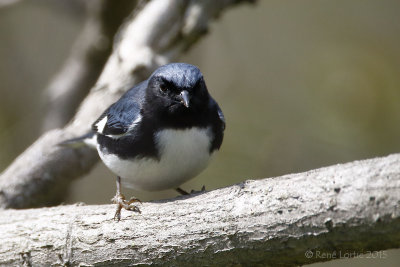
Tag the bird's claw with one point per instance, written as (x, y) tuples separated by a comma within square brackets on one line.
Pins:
[(122, 203), (184, 193), (202, 190), (134, 208)]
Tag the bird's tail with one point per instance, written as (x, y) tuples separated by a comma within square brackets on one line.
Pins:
[(88, 139)]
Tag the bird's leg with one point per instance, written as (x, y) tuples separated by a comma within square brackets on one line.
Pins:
[(120, 200), (185, 193), (203, 189), (181, 191)]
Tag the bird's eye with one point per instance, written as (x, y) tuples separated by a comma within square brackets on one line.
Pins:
[(163, 88)]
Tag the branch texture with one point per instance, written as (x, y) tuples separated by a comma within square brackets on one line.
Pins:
[(349, 207), (158, 34)]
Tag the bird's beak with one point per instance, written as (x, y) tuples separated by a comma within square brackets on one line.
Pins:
[(184, 96)]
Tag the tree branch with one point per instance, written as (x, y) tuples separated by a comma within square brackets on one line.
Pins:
[(5, 3), (162, 31), (87, 59), (352, 207)]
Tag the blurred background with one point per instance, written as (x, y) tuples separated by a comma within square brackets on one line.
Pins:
[(303, 84)]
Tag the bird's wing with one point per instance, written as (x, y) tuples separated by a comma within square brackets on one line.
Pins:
[(221, 117), (122, 116), (213, 105)]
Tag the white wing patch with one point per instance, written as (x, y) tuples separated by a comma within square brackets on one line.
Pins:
[(131, 127), (135, 122), (101, 124)]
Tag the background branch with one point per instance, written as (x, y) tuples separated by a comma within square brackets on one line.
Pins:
[(87, 58), (5, 3), (352, 207), (158, 34)]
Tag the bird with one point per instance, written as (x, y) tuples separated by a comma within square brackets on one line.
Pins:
[(159, 134)]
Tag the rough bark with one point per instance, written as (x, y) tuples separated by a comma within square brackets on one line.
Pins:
[(348, 208), (158, 34)]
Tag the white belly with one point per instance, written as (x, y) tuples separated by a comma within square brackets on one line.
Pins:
[(183, 155)]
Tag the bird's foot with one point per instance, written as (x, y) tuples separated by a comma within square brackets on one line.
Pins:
[(185, 193), (122, 203)]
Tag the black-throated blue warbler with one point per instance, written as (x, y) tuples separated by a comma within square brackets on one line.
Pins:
[(160, 133)]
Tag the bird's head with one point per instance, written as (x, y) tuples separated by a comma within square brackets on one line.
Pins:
[(178, 87)]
